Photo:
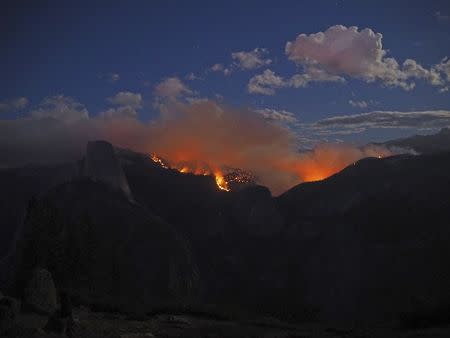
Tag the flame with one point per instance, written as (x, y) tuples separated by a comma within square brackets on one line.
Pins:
[(156, 159), (313, 166), (221, 182)]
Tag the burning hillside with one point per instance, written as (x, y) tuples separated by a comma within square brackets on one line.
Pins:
[(207, 138), (201, 137), (227, 179)]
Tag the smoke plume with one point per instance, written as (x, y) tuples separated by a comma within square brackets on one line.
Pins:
[(203, 136)]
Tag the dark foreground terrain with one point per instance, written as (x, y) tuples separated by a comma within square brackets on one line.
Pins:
[(88, 324), (120, 234)]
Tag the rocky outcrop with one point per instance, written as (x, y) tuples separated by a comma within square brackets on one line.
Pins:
[(40, 294), (9, 310), (254, 209), (113, 253), (101, 164), (61, 322)]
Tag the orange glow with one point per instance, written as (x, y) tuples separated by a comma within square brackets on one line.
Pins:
[(206, 137), (156, 159), (221, 182), (316, 165)]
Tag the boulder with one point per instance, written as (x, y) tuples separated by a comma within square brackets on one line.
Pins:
[(40, 294), (9, 311)]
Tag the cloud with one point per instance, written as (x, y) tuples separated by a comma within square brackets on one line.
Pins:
[(313, 74), (61, 108), (13, 104), (282, 116), (444, 67), (441, 17), (357, 54), (219, 67), (111, 77), (252, 59), (244, 61), (122, 111), (191, 77), (359, 104), (126, 99), (345, 124), (172, 88), (265, 83), (413, 70)]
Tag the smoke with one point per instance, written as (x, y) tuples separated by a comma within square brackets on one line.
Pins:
[(201, 135)]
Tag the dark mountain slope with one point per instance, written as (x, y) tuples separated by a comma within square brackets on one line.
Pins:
[(18, 186), (235, 236), (401, 176), (369, 242), (373, 239), (108, 250)]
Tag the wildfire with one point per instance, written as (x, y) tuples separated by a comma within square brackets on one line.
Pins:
[(315, 165), (156, 159), (220, 179)]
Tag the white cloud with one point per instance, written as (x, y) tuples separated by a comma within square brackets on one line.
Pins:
[(13, 104), (61, 108), (191, 77), (119, 112), (252, 59), (126, 99), (219, 67), (359, 104), (313, 74), (281, 116), (345, 124), (412, 69), (172, 88), (444, 67), (357, 54), (266, 83)]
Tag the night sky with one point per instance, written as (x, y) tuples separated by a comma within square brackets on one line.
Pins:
[(378, 69)]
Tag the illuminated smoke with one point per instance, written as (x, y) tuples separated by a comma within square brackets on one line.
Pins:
[(201, 137), (206, 138)]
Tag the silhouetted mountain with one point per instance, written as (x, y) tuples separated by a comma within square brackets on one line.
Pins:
[(104, 248), (19, 185), (101, 164), (424, 144), (366, 243), (373, 239)]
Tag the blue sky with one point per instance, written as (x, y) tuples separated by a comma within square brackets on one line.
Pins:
[(90, 51)]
